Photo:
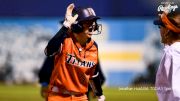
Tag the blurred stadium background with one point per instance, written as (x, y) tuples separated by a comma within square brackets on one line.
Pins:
[(129, 45)]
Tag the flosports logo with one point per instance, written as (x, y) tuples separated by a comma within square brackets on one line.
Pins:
[(167, 7)]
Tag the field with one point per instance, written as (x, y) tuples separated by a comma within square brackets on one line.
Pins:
[(32, 93)]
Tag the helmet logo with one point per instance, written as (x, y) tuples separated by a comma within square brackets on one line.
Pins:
[(91, 11), (168, 7)]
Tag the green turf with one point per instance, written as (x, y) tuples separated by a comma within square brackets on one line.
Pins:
[(20, 93), (32, 93), (116, 94)]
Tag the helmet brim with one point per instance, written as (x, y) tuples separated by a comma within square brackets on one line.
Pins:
[(90, 18), (86, 19)]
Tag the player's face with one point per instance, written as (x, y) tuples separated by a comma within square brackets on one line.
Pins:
[(88, 25)]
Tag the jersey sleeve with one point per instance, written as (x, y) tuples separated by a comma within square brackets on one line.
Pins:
[(97, 80), (55, 43), (176, 74), (46, 71)]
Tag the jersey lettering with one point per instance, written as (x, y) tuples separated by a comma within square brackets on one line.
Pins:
[(71, 59)]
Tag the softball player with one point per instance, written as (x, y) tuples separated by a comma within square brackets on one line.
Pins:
[(76, 57), (45, 73), (168, 74)]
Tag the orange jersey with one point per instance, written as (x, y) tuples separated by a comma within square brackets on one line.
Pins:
[(74, 65)]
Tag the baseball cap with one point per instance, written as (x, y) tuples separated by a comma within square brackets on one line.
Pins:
[(172, 7)]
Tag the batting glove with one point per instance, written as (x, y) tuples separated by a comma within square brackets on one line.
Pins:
[(101, 98), (69, 19)]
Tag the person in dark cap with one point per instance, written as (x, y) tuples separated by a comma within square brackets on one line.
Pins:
[(75, 57), (168, 74)]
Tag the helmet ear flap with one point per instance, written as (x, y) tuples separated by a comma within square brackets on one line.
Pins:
[(77, 28)]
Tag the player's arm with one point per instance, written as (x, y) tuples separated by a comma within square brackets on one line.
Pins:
[(44, 75), (54, 44), (96, 84), (46, 70)]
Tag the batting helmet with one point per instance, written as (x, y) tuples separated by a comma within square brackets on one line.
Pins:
[(84, 14), (168, 10)]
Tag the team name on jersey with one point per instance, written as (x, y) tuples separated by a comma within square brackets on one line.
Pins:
[(71, 59)]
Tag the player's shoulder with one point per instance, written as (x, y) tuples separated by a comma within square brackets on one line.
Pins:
[(66, 36), (95, 44)]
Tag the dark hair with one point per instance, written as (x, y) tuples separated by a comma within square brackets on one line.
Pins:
[(172, 36)]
